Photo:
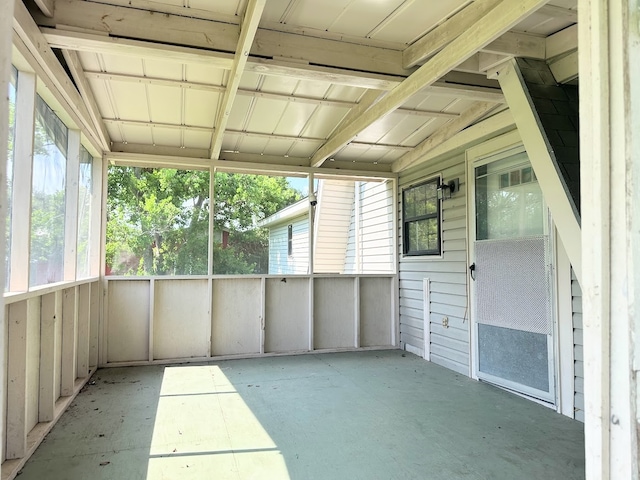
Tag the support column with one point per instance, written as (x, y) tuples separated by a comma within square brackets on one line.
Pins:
[(610, 157), (6, 35)]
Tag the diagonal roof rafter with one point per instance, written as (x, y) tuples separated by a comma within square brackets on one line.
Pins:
[(247, 34), (486, 29)]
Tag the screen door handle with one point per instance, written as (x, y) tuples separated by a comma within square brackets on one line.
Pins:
[(472, 270)]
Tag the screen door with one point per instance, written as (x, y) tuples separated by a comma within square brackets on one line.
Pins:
[(513, 302)]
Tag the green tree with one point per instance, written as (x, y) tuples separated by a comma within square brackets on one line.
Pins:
[(158, 220)]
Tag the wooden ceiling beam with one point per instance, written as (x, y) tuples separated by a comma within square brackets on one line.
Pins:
[(486, 29), (444, 133), (33, 45), (439, 37), (75, 67), (104, 44), (46, 7), (247, 34)]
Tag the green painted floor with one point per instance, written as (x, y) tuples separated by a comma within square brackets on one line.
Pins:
[(360, 415)]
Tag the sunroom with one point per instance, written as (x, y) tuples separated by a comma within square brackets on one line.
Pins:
[(289, 222)]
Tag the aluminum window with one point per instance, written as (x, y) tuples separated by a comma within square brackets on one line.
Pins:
[(421, 219)]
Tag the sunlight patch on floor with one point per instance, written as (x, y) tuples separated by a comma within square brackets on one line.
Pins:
[(203, 427)]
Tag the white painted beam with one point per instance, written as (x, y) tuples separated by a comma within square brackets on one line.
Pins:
[(131, 23), (444, 133), (441, 36), (565, 41), (46, 7), (95, 238), (38, 53), (75, 67), (536, 144), (71, 205), (69, 340), (47, 397), (565, 69), (6, 34), (22, 182), (16, 429), (247, 34), (118, 77), (483, 31), (610, 178)]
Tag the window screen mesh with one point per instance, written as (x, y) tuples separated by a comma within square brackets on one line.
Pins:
[(512, 284)]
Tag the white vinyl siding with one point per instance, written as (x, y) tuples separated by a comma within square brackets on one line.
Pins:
[(578, 365), (376, 229), (279, 260), (447, 273), (333, 216)]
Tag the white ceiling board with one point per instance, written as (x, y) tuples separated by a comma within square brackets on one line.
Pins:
[(403, 127), (167, 137), (225, 7), (120, 64), (131, 101), (306, 13), (294, 119), (239, 111), (196, 139), (250, 80), (428, 130), (279, 147), (302, 150), (89, 61), (379, 129), (266, 115), (160, 69), (165, 104), (275, 9), (279, 85), (361, 16), (137, 134), (252, 144), (345, 93), (201, 108), (204, 74), (416, 19), (115, 134), (312, 89), (568, 4), (100, 93), (539, 23), (229, 143), (324, 121)]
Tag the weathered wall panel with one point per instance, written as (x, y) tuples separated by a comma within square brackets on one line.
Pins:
[(236, 320), (375, 312), (128, 321), (287, 314), (182, 322), (334, 313)]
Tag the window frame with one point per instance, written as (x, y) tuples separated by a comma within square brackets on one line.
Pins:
[(406, 221)]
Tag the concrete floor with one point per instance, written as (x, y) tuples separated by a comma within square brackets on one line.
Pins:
[(361, 415)]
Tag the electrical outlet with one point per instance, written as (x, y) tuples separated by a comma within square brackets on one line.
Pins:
[(445, 322)]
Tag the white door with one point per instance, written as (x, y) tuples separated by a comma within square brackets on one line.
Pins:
[(512, 284)]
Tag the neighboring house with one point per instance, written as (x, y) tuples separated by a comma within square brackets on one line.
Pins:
[(289, 239), (352, 230)]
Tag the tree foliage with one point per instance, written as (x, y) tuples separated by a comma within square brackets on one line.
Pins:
[(158, 221)]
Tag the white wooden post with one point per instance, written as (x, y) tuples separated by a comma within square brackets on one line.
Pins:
[(71, 205), (6, 35), (95, 237), (22, 179), (48, 319), (69, 340), (84, 312), (610, 171), (16, 434)]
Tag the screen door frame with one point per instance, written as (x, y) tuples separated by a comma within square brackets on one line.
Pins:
[(497, 149)]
